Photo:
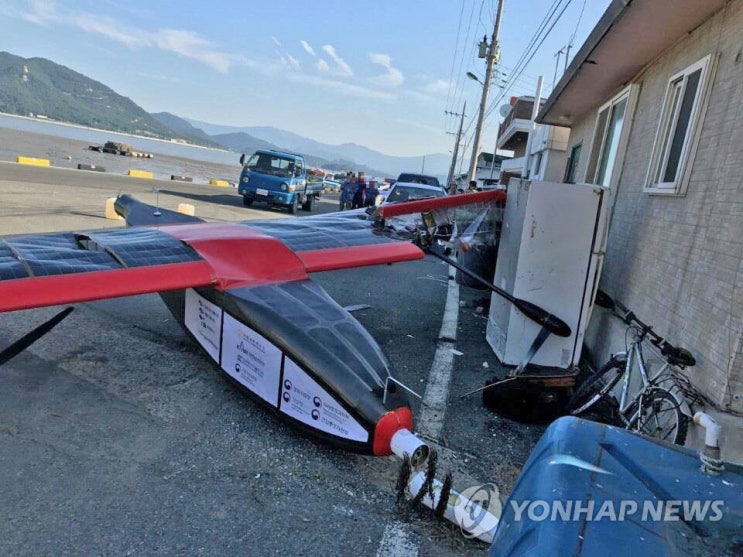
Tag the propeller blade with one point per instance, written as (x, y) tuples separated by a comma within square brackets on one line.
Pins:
[(553, 324), (28, 339)]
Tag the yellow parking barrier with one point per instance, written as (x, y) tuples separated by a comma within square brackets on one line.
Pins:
[(187, 209), (111, 213), (33, 161), (220, 183), (140, 174)]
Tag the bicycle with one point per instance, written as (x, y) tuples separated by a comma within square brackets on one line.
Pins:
[(660, 408)]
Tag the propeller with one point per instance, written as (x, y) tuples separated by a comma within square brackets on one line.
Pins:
[(28, 339), (553, 324)]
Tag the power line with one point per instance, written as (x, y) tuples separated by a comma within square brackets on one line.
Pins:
[(453, 60), (536, 48), (459, 73)]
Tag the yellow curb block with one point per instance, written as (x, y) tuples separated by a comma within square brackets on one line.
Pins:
[(220, 183), (33, 161), (111, 213), (187, 209), (140, 174)]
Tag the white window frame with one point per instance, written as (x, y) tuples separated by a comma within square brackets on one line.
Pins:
[(597, 151), (667, 129)]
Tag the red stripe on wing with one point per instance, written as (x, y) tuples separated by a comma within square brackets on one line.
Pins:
[(98, 285), (436, 203), (233, 256), (358, 256)]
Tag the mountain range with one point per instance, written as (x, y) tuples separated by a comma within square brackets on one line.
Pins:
[(37, 86)]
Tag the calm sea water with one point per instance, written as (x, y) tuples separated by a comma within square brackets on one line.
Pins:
[(99, 137)]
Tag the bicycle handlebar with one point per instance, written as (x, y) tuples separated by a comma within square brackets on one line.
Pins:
[(676, 356)]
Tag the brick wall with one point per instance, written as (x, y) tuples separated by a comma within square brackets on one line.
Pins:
[(678, 261)]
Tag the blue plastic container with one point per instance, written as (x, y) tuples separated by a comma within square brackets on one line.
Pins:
[(594, 490)]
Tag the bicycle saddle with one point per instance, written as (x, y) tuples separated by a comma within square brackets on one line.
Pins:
[(678, 356)]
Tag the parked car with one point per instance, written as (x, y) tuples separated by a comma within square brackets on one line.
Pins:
[(404, 191), (328, 185), (407, 191), (419, 179)]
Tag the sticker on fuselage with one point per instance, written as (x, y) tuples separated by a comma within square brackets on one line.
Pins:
[(303, 399), (251, 359), (204, 320)]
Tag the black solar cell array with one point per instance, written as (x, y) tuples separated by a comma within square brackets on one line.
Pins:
[(68, 252)]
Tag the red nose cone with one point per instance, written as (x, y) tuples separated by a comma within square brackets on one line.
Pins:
[(389, 424)]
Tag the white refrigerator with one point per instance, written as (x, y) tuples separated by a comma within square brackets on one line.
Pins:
[(550, 254)]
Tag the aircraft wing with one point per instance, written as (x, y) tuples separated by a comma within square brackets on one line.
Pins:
[(171, 251)]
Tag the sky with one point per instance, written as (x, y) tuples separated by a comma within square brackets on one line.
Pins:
[(382, 73)]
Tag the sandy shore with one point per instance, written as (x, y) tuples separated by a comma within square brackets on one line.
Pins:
[(68, 153)]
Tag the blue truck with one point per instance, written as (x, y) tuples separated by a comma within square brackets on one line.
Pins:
[(279, 179)]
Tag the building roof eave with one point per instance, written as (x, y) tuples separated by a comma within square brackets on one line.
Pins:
[(629, 35)]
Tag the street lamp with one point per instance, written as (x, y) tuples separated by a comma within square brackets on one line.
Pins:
[(473, 77)]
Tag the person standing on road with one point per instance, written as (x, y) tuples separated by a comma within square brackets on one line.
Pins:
[(347, 190), (372, 191), (359, 197)]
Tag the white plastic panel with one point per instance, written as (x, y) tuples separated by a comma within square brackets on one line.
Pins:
[(204, 320), (303, 399)]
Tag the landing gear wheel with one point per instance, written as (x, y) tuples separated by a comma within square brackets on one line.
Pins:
[(294, 207), (307, 205), (247, 201), (661, 417)]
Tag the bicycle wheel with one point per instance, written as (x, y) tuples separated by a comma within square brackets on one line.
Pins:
[(660, 416), (597, 386)]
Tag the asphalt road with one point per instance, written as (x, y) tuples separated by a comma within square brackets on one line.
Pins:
[(118, 437)]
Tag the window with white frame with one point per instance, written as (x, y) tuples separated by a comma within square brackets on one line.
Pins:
[(678, 129), (608, 137)]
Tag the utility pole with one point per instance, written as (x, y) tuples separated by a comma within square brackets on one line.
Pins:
[(526, 172), (450, 177), (491, 57)]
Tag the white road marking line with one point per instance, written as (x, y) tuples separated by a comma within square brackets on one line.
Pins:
[(433, 408), (397, 541)]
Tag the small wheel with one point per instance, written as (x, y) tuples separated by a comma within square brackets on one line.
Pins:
[(661, 417), (247, 201), (307, 205), (294, 207), (597, 386)]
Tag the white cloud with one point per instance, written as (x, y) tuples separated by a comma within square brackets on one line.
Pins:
[(340, 68), (342, 87), (420, 125), (437, 87), (41, 12), (323, 66), (192, 45), (110, 29), (292, 62), (307, 48), (178, 41), (393, 77)]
